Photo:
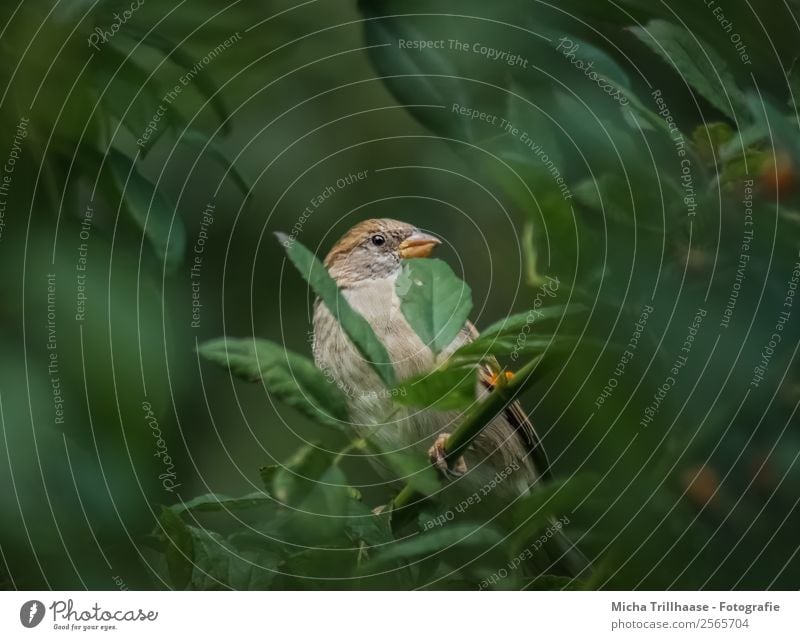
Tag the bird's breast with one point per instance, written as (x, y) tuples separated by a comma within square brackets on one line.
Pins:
[(334, 353)]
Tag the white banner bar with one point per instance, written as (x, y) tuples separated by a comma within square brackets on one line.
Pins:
[(399, 615)]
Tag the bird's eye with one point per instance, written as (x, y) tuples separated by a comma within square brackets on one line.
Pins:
[(378, 240)]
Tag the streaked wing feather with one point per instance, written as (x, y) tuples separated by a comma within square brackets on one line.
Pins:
[(514, 412)]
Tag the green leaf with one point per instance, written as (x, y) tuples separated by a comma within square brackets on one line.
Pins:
[(292, 482), (365, 526), (697, 62), (536, 510), (131, 97), (436, 540), (434, 300), (418, 78), (149, 210), (526, 114), (710, 138), (639, 116), (316, 567), (445, 389), (583, 56), (614, 198), (212, 560), (357, 329), (180, 548), (185, 61), (288, 376), (219, 502), (506, 345), (203, 143), (252, 570), (409, 465), (321, 515), (520, 334), (539, 315), (548, 582)]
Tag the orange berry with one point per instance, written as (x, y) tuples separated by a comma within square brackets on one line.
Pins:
[(701, 484), (778, 175)]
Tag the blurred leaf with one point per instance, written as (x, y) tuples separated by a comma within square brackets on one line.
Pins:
[(531, 255), (356, 328), (536, 140), (186, 61), (781, 131), (536, 510), (709, 139), (417, 78), (317, 567), (506, 345), (647, 118), (179, 550), (150, 210), (697, 62), (203, 143), (219, 502), (549, 582), (614, 198), (515, 323), (290, 377), (444, 389), (436, 541), (130, 95), (592, 58), (434, 300)]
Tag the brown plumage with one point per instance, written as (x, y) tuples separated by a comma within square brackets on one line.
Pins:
[(365, 263)]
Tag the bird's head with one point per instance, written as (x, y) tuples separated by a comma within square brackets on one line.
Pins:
[(375, 249)]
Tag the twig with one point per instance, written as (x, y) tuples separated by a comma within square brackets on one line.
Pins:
[(486, 410)]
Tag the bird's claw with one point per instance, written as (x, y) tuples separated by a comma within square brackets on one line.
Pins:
[(438, 457)]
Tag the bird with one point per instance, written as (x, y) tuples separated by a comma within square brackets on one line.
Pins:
[(365, 264)]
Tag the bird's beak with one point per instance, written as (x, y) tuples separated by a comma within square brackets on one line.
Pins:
[(418, 245)]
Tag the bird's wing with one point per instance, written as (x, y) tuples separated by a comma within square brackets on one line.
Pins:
[(514, 412)]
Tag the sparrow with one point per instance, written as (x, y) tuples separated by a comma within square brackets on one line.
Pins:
[(365, 263)]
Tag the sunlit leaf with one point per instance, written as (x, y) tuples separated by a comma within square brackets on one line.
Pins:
[(434, 300)]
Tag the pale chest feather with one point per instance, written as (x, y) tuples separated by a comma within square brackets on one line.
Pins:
[(335, 354), (371, 404)]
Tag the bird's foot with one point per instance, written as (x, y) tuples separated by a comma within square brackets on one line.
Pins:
[(438, 457)]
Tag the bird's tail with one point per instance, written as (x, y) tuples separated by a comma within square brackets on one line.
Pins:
[(561, 557)]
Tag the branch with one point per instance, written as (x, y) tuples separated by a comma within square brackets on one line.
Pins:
[(476, 420)]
